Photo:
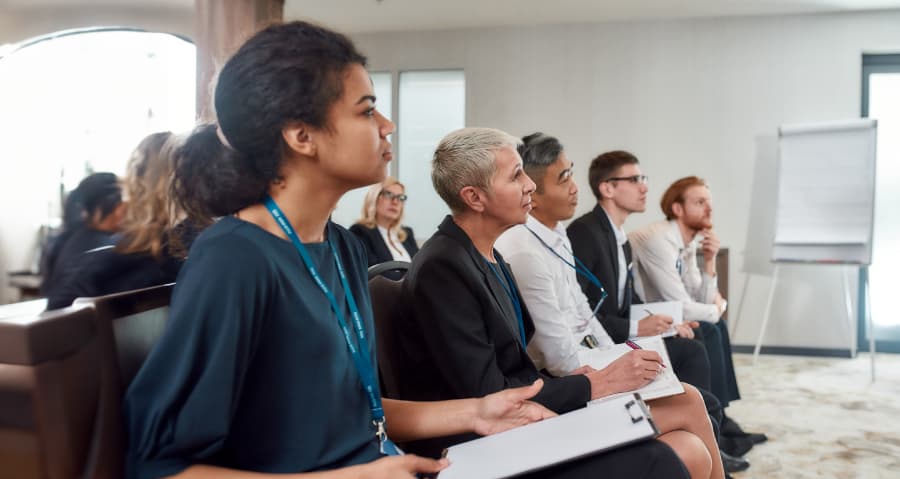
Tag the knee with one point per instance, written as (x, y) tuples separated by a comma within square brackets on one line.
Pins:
[(695, 456), (693, 401), (692, 395)]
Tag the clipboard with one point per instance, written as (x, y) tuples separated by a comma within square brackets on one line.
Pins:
[(580, 433)]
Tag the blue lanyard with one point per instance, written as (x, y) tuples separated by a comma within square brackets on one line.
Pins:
[(511, 292), (359, 354), (578, 266)]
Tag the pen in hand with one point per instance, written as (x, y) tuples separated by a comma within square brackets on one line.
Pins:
[(633, 345)]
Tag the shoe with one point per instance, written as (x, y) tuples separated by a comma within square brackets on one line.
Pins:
[(731, 428), (756, 437), (733, 464), (735, 446)]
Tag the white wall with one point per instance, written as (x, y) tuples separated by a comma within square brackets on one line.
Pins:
[(688, 97)]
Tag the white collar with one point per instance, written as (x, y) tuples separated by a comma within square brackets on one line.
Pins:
[(675, 237), (555, 237), (621, 237)]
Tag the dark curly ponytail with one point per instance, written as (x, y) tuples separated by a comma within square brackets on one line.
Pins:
[(285, 73)]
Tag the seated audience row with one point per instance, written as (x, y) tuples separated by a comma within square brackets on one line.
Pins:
[(271, 317), (478, 346), (545, 268)]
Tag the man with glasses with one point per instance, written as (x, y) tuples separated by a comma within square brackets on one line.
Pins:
[(600, 241)]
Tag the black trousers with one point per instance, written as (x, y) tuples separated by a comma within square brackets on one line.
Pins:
[(644, 460), (718, 349), (689, 361)]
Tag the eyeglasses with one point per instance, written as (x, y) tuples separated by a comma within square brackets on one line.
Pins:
[(635, 180), (391, 196)]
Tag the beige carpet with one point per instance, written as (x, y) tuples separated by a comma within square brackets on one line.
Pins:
[(824, 417)]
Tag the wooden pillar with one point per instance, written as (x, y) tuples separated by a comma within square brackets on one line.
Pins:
[(221, 27)]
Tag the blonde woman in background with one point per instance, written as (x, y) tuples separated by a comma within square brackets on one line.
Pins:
[(380, 228)]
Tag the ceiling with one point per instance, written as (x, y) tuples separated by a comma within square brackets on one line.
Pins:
[(359, 16), (143, 4)]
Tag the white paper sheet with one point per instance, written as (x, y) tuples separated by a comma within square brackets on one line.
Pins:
[(668, 308)]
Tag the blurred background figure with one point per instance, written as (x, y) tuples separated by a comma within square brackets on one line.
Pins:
[(72, 219), (380, 227), (148, 250), (92, 215)]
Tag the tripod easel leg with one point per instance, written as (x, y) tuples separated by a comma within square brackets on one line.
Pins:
[(870, 326), (740, 310), (765, 323)]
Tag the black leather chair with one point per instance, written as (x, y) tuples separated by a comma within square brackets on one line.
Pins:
[(388, 314), (128, 325)]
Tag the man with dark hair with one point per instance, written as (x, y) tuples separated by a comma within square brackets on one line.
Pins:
[(600, 241)]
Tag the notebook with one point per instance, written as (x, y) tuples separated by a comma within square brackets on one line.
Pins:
[(583, 432), (665, 384), (668, 308)]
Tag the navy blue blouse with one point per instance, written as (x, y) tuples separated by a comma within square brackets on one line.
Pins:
[(253, 371)]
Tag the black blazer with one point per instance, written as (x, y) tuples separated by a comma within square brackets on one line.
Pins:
[(458, 342), (375, 246), (594, 243)]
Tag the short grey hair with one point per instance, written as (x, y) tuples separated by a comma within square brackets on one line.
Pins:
[(466, 157)]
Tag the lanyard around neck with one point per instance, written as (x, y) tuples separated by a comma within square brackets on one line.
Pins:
[(510, 290), (360, 351), (578, 266)]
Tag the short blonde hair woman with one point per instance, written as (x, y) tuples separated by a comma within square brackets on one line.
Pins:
[(380, 227)]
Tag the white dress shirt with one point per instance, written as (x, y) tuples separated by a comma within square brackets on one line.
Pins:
[(550, 291), (621, 239), (394, 245), (666, 270)]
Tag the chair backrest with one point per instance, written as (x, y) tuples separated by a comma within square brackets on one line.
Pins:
[(49, 391), (128, 325), (390, 269), (389, 313)]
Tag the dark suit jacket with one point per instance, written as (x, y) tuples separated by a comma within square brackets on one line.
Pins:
[(459, 342), (594, 243), (375, 246)]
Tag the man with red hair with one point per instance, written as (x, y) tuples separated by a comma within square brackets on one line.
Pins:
[(666, 269)]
